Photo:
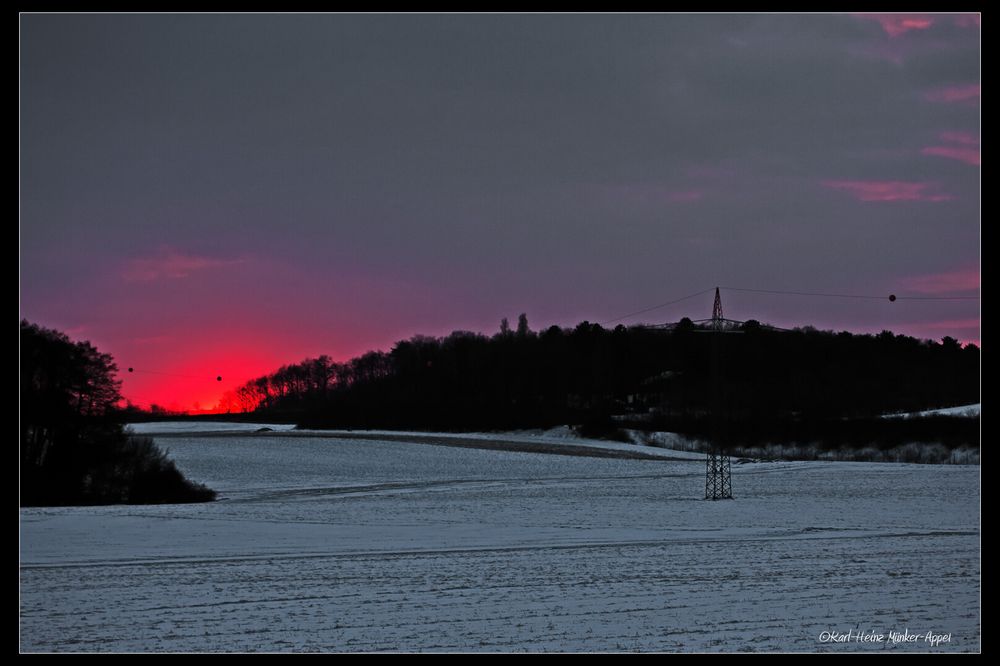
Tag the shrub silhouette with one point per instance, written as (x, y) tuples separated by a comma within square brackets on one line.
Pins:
[(74, 448)]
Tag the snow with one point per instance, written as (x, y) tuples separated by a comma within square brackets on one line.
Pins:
[(193, 427), (323, 544), (554, 437), (963, 410)]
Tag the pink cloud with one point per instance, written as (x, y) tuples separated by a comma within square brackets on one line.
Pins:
[(953, 324), (685, 196), (77, 331), (966, 331), (888, 190), (899, 24), (966, 279), (171, 264), (960, 137), (952, 94), (152, 339), (712, 172), (964, 147), (967, 155), (648, 195), (967, 20)]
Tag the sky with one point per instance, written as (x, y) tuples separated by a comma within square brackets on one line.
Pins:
[(206, 196)]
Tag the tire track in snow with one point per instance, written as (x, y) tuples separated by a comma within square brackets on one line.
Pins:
[(808, 533)]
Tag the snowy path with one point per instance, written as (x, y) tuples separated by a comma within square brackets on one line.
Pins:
[(560, 440), (356, 545)]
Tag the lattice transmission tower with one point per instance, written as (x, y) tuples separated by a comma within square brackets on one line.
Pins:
[(718, 480)]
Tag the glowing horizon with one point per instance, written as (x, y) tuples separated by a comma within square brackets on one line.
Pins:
[(185, 391)]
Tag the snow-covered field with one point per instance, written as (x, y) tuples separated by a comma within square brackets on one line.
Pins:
[(188, 427), (325, 544), (963, 410), (552, 440)]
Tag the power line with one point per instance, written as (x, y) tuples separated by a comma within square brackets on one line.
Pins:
[(803, 293), (217, 378), (656, 307), (891, 297), (779, 292), (938, 298)]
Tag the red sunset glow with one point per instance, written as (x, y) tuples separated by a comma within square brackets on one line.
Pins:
[(192, 385)]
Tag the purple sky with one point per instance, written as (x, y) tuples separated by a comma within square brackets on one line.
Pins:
[(206, 195)]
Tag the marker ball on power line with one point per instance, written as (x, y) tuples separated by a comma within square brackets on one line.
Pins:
[(219, 378), (892, 298)]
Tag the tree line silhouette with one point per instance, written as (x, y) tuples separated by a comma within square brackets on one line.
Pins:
[(645, 376), (74, 447)]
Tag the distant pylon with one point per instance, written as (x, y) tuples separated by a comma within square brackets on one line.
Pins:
[(717, 318), (718, 480)]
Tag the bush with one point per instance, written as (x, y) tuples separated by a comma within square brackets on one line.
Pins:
[(74, 449), (601, 426), (139, 472)]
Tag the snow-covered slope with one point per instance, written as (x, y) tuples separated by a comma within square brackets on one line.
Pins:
[(193, 427), (963, 410), (323, 544)]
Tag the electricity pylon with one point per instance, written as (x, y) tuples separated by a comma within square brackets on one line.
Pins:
[(718, 481)]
